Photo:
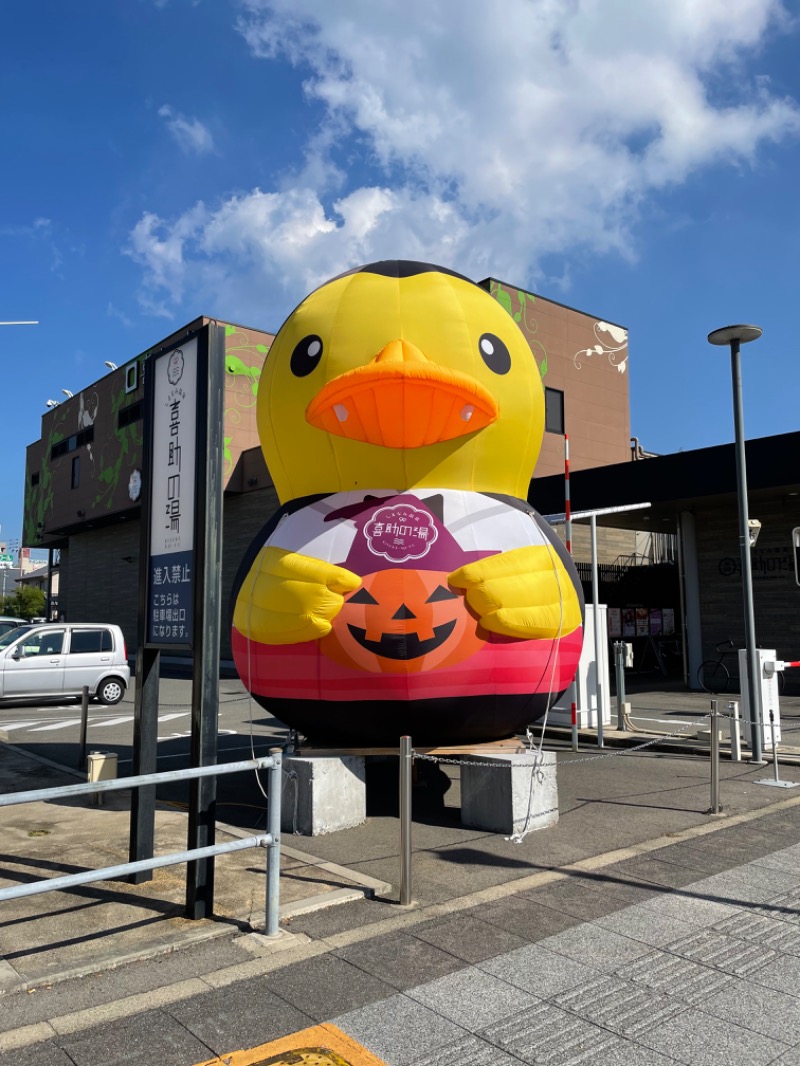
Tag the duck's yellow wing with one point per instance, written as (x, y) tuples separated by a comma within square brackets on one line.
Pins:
[(289, 598), (525, 592)]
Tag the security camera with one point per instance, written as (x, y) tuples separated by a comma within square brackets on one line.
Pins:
[(753, 529)]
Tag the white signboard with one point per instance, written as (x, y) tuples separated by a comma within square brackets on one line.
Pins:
[(172, 500), (173, 464)]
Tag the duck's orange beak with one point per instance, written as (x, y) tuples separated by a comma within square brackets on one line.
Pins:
[(402, 400)]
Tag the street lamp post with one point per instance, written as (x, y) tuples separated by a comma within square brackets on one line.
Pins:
[(735, 336)]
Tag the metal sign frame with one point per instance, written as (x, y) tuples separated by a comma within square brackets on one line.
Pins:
[(203, 389)]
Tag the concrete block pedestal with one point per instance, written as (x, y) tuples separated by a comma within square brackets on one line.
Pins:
[(508, 794), (323, 794)]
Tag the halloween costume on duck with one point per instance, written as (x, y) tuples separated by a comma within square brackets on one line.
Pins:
[(405, 586)]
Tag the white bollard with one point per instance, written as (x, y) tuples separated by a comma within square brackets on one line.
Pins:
[(734, 723)]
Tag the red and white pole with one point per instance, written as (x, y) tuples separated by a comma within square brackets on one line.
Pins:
[(567, 503), (574, 724)]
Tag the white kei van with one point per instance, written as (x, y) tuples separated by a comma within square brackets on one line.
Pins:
[(59, 658)]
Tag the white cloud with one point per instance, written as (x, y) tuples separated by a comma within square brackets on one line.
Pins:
[(119, 314), (49, 237), (261, 243), (190, 133), (502, 133)]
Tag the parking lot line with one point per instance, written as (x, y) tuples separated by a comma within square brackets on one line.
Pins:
[(56, 725)]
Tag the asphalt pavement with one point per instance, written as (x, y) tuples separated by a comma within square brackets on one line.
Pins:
[(640, 929)]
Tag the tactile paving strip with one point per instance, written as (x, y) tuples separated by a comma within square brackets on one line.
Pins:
[(469, 1052), (619, 1005), (547, 1034), (726, 953), (769, 932), (682, 978), (786, 908)]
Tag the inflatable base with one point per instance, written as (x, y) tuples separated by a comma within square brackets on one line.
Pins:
[(429, 723)]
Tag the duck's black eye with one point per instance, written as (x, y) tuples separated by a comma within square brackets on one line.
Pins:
[(494, 353), (306, 355)]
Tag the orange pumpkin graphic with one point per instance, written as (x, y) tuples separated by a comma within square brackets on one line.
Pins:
[(403, 621)]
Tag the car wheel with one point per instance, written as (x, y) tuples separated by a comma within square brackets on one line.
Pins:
[(111, 691)]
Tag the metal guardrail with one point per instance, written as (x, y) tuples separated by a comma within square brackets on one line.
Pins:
[(270, 840)]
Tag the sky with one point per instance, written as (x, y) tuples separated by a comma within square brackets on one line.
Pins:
[(635, 159)]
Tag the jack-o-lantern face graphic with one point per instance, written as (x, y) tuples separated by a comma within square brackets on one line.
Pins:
[(403, 621)]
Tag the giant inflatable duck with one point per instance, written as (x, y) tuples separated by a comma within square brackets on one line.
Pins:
[(405, 586)]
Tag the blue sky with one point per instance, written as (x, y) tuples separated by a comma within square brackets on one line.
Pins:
[(635, 159)]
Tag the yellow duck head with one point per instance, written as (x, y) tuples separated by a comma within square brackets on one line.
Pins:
[(400, 375)]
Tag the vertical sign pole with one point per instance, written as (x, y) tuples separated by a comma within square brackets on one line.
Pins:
[(145, 759), (598, 685), (567, 499), (48, 610), (148, 661), (206, 630), (573, 690), (166, 568)]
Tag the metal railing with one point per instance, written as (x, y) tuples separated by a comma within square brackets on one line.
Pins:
[(269, 840)]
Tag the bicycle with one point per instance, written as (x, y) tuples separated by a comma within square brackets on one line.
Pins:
[(714, 677)]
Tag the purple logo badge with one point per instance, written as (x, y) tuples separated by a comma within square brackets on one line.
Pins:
[(400, 533)]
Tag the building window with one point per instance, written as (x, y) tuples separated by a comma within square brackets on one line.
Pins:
[(76, 471), (554, 410), (71, 444), (131, 377), (131, 413), (35, 478)]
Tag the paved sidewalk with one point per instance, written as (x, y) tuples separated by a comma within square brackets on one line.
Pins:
[(705, 973), (639, 930), (54, 936)]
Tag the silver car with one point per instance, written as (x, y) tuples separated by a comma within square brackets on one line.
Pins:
[(59, 658), (7, 623)]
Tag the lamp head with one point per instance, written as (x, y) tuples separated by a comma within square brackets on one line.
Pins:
[(110, 365), (67, 392), (742, 334), (753, 529)]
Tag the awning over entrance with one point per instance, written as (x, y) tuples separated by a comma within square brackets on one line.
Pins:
[(674, 483)]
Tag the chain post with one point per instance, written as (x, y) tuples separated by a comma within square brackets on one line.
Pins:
[(84, 727), (406, 763), (619, 659), (274, 802), (774, 745), (715, 807)]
